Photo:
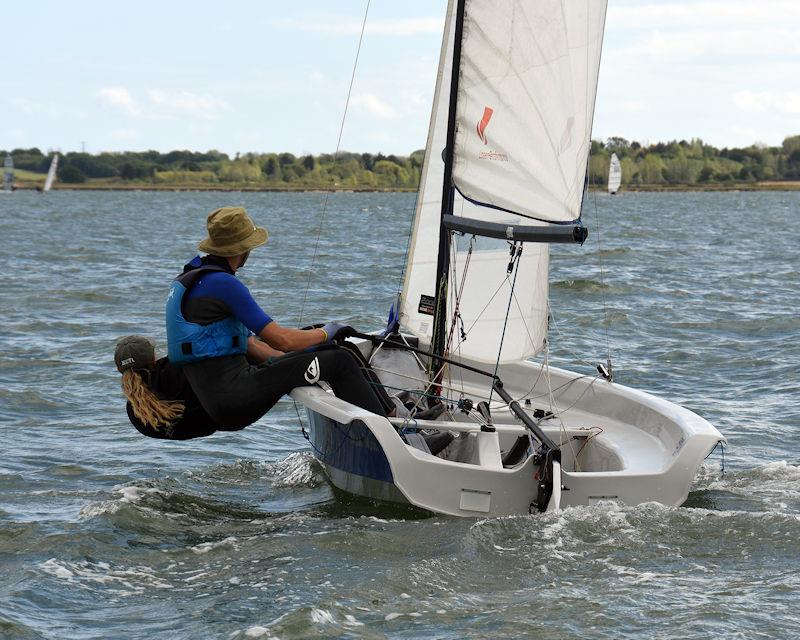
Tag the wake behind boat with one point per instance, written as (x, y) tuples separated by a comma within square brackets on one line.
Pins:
[(517, 436)]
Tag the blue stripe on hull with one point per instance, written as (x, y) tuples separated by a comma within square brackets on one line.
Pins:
[(351, 448)]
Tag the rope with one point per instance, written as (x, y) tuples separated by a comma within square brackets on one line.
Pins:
[(515, 267), (721, 446), (333, 166)]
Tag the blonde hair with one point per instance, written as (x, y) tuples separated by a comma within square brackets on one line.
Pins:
[(147, 406)]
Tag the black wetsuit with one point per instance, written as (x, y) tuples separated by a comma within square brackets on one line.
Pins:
[(236, 393), (170, 383)]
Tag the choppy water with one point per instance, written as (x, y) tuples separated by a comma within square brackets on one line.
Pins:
[(105, 534)]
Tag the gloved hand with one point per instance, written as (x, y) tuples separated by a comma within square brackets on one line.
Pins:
[(337, 331)]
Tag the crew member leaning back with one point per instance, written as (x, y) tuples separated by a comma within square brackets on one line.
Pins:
[(214, 326)]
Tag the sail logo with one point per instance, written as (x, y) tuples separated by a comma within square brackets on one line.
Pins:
[(484, 122), (481, 129), (312, 373)]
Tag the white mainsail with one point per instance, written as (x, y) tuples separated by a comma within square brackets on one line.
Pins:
[(614, 174), (524, 117), (51, 174)]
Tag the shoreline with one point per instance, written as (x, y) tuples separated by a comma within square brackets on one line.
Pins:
[(783, 185)]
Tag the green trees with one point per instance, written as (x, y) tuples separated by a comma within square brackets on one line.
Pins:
[(71, 174), (685, 163), (676, 163)]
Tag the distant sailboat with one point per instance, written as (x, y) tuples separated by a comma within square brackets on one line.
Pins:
[(8, 175), (614, 175), (51, 174)]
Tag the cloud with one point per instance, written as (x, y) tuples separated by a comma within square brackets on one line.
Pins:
[(707, 30), (186, 103), (633, 106), (745, 133), (32, 107), (124, 135), (787, 102), (693, 14), (712, 43), (400, 28), (374, 106), (157, 104), (120, 98)]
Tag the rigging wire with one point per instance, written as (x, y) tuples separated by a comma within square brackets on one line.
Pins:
[(333, 166), (606, 317)]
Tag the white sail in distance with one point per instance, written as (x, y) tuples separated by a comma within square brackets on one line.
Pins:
[(526, 153), (614, 174), (51, 173)]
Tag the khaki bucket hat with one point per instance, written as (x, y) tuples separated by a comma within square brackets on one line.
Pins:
[(231, 232)]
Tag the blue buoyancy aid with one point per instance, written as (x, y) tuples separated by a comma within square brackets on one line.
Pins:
[(190, 341)]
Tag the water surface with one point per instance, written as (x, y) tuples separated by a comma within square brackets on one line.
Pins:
[(104, 533)]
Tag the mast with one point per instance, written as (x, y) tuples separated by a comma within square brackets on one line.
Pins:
[(443, 259)]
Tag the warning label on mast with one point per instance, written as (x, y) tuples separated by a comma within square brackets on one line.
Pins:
[(427, 305)]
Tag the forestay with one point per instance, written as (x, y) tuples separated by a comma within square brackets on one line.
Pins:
[(524, 111)]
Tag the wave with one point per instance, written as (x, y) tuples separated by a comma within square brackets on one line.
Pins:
[(10, 629), (163, 506), (296, 470), (113, 578), (307, 622), (617, 251), (171, 505), (583, 285)]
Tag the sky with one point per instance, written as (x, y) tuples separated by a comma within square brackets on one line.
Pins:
[(265, 76)]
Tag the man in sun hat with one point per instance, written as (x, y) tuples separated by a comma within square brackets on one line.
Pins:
[(232, 352)]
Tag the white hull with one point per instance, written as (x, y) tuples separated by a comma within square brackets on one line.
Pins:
[(649, 449)]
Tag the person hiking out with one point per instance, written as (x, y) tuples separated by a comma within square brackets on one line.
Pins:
[(160, 402), (214, 325)]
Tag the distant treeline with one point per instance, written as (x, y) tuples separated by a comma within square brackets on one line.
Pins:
[(694, 162), (664, 163), (278, 170)]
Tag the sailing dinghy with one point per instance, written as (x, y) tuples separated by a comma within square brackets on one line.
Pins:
[(512, 111), (614, 175), (51, 174)]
